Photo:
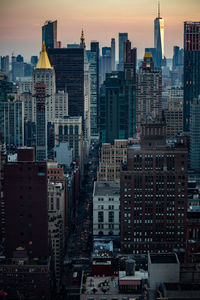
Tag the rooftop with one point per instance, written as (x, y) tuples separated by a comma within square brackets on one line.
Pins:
[(170, 258), (139, 275), (106, 188)]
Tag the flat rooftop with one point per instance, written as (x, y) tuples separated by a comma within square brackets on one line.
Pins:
[(163, 258), (139, 275), (106, 188)]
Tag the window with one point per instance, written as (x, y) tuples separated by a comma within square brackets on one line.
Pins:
[(111, 217), (100, 216)]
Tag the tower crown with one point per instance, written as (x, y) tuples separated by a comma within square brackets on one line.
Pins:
[(82, 43), (43, 62)]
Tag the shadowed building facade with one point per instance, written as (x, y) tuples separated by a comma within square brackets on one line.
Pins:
[(72, 75), (191, 68), (154, 194), (49, 34), (117, 108)]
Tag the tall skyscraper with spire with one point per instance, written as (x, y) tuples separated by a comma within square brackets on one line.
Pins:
[(159, 38), (44, 73)]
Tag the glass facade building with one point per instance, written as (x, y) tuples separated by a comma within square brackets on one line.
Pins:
[(195, 135), (191, 68), (123, 37), (117, 108), (49, 34)]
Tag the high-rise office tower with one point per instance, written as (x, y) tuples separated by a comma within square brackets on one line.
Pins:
[(105, 63), (159, 38), (195, 135), (117, 108), (12, 123), (113, 54), (41, 121), (177, 66), (123, 37), (72, 75), (149, 92), (191, 68), (130, 62), (17, 67), (4, 64), (154, 194), (6, 88), (176, 50), (94, 88), (49, 34)]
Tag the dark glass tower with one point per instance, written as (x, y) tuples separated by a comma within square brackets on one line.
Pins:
[(49, 34), (191, 68), (113, 54), (123, 37), (117, 108)]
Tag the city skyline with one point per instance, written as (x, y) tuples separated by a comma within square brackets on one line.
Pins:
[(96, 18)]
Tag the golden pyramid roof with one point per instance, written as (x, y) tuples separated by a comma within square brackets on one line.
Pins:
[(43, 62), (148, 54)]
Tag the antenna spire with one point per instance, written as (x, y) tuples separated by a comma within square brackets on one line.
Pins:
[(158, 9)]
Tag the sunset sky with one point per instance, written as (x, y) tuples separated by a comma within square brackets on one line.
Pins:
[(21, 21)]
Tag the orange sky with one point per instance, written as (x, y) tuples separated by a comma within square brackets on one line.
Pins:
[(21, 21)]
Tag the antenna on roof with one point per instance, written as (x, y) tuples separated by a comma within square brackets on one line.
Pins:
[(158, 9)]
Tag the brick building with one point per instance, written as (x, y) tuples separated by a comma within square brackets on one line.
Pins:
[(154, 194)]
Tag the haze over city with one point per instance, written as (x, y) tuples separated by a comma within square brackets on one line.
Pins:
[(99, 149), (21, 21)]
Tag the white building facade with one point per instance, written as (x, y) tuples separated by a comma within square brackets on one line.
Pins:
[(106, 208)]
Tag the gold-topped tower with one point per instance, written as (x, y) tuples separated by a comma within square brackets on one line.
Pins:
[(82, 43), (43, 62)]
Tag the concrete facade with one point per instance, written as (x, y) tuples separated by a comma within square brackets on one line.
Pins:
[(106, 208)]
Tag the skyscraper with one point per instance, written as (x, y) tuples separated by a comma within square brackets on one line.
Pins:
[(154, 194), (191, 68), (149, 91), (4, 64), (130, 62), (41, 121), (49, 34), (117, 108), (123, 37), (12, 122), (44, 73), (195, 135), (94, 88), (105, 63), (159, 38), (72, 75), (17, 67), (113, 54)]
